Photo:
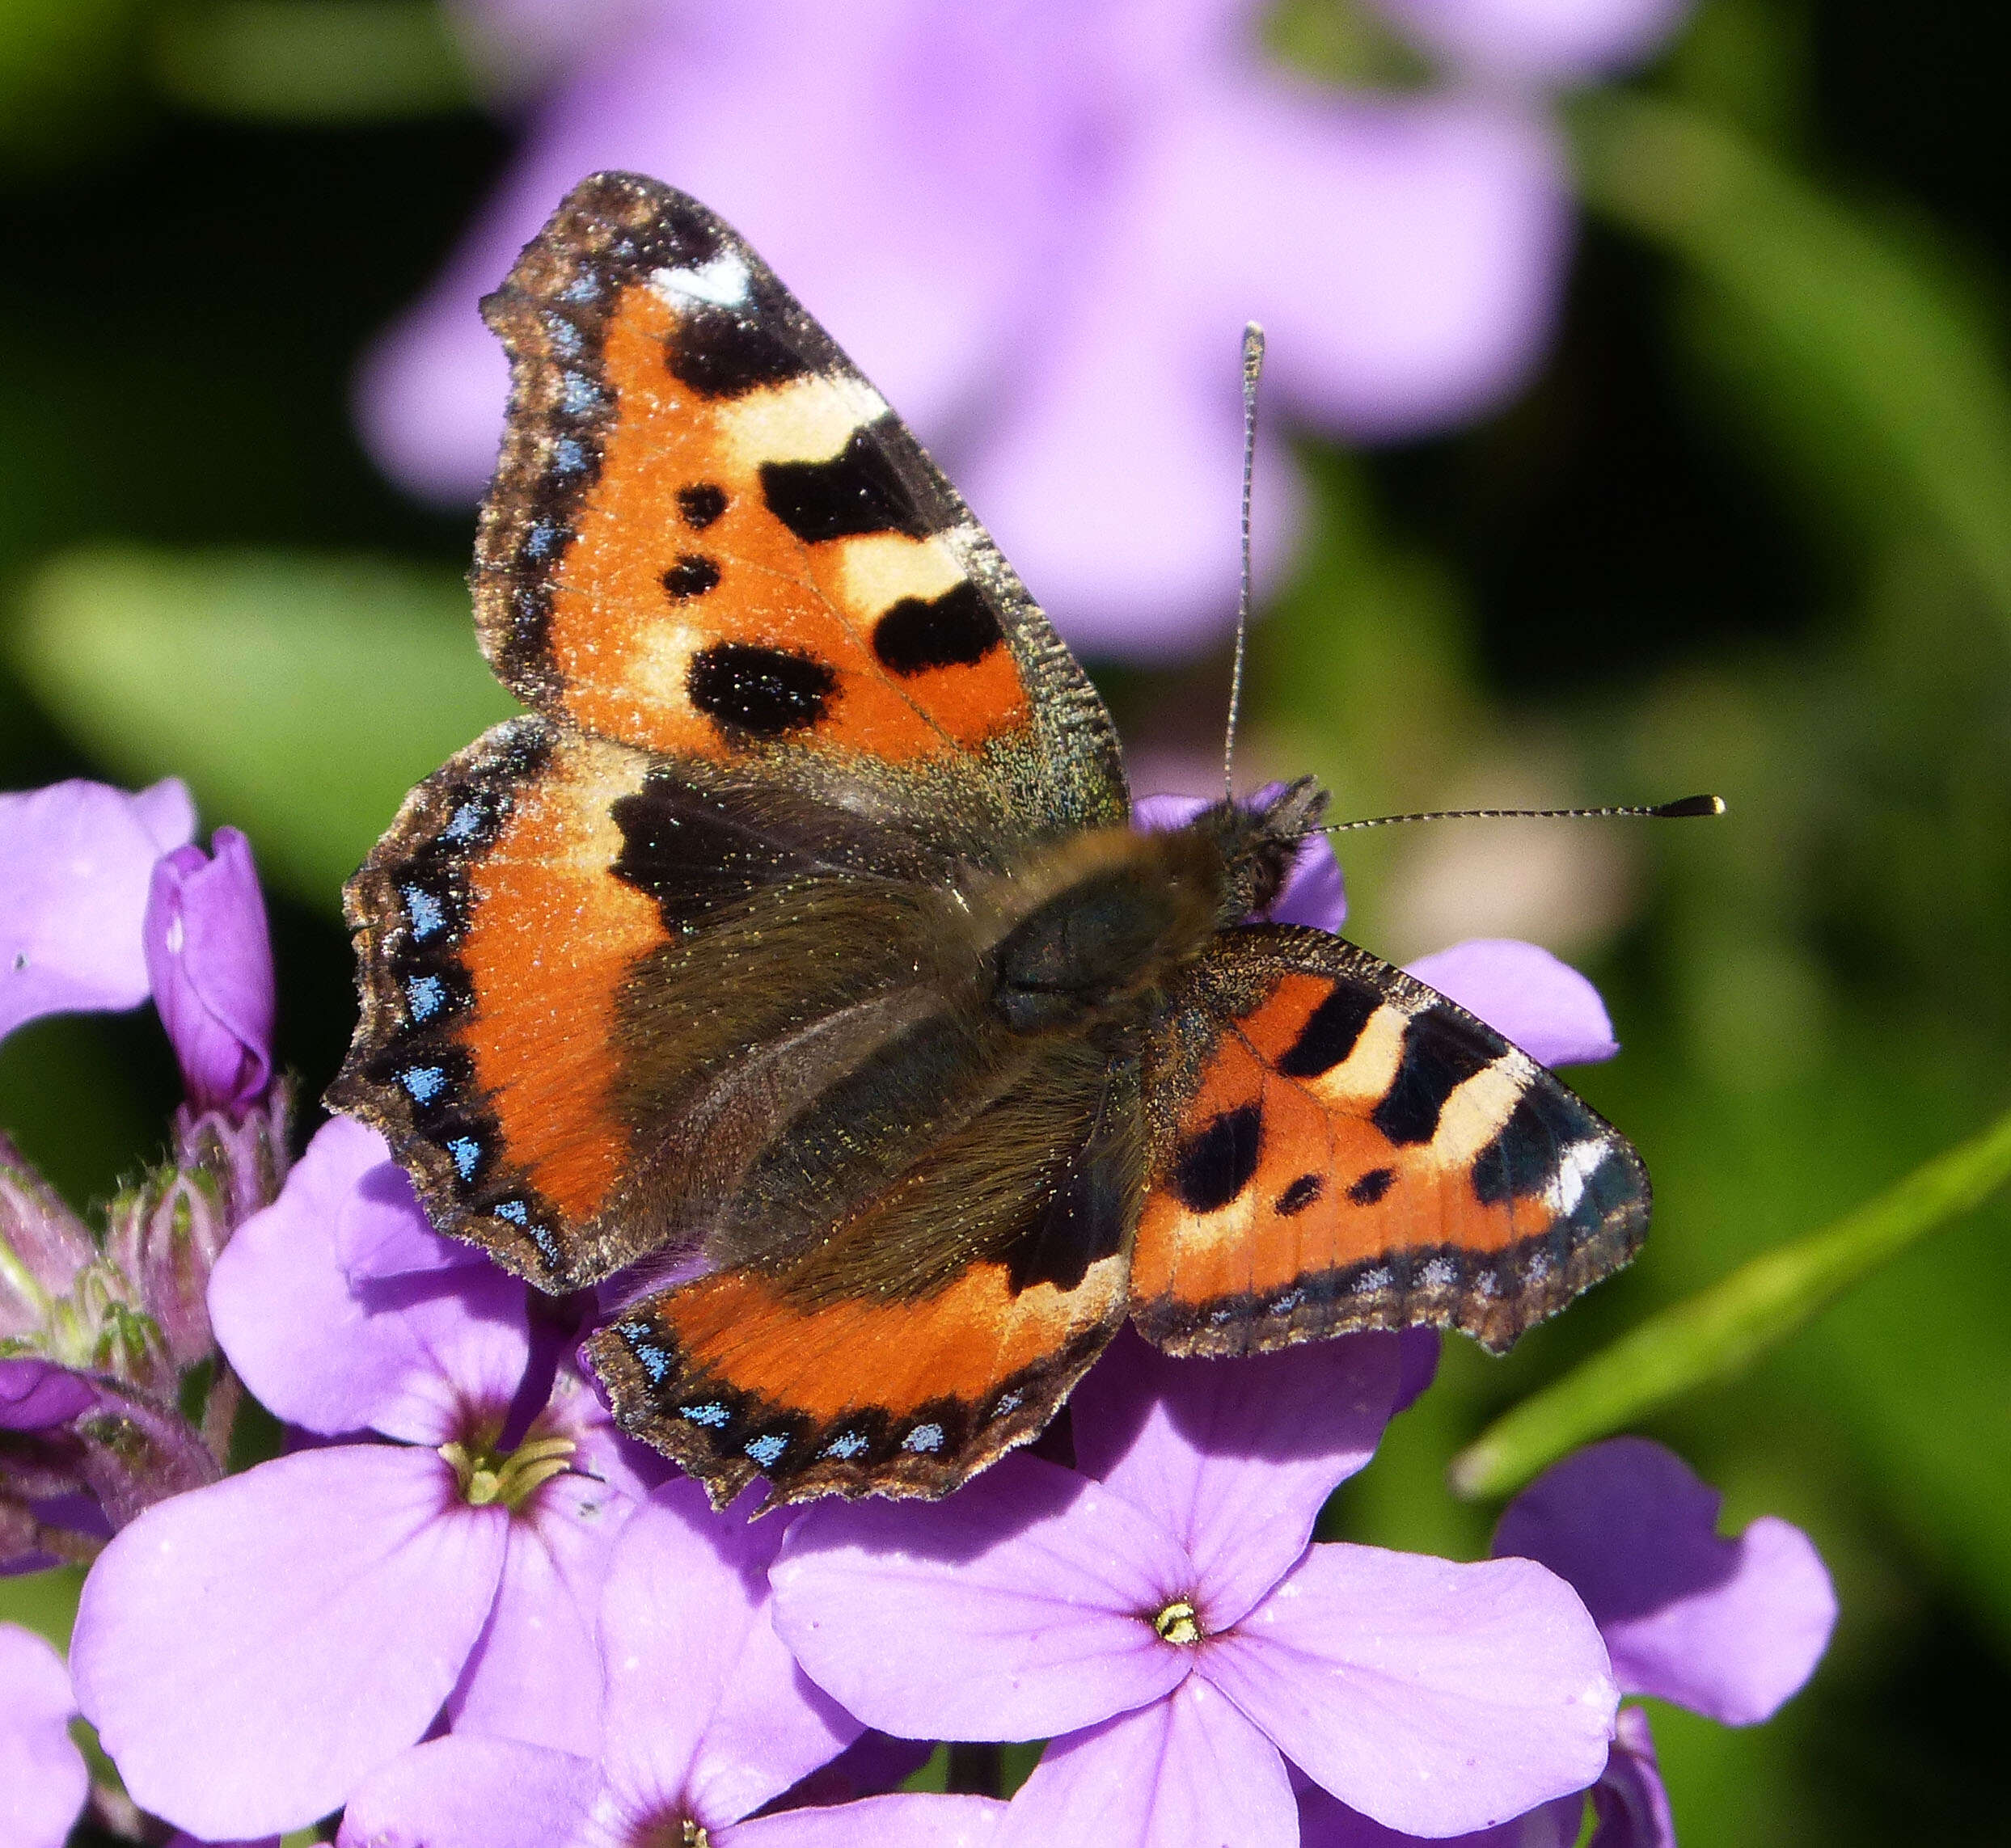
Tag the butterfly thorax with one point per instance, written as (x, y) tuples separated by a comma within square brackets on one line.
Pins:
[(1104, 916)]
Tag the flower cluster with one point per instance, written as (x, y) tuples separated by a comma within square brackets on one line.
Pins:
[(113, 1394), (1040, 230), (460, 1608)]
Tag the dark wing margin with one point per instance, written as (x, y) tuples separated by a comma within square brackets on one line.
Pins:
[(1337, 1146)]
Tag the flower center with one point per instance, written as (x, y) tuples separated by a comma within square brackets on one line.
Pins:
[(675, 1832), (486, 1478), (1178, 1623)]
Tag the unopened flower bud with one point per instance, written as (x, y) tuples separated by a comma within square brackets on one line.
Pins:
[(210, 958), (43, 1246), (164, 1238)]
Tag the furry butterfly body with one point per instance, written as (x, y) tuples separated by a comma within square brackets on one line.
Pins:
[(793, 971)]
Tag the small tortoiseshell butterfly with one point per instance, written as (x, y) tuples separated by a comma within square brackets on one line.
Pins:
[(796, 959)]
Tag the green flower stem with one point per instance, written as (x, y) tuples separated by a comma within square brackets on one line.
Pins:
[(1722, 1329)]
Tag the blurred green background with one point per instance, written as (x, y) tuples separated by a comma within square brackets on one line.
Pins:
[(1749, 531)]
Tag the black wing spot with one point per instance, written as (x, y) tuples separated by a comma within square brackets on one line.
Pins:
[(1522, 1160), (1216, 1164), (692, 576), (1372, 1186), (701, 503), (1299, 1196), (762, 692), (1330, 1031), (719, 354), (957, 629), (857, 490), (1442, 1050)]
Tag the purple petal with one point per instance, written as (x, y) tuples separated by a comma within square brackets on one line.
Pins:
[(705, 1707), (1113, 482), (250, 1651), (1527, 995), (1432, 1696), (1540, 41), (1190, 1769), (43, 1782), (1729, 1628), (1235, 1458), (912, 1821), (466, 1792), (209, 960), (75, 863), (1025, 1603), (1326, 1822), (1406, 255), (536, 1674), (873, 1764), (381, 1231), (37, 1395), (1417, 1365), (415, 1357), (1631, 1806)]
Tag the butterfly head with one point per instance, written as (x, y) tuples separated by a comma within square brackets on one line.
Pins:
[(1257, 842)]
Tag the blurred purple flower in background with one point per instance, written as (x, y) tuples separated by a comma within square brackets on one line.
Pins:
[(250, 1651), (1163, 1618), (76, 861), (1040, 230), (43, 1782)]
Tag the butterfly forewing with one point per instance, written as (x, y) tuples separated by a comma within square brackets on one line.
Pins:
[(710, 537), (1338, 1147)]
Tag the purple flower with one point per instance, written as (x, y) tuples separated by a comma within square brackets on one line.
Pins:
[(43, 1782), (250, 1651), (75, 860), (708, 1721), (1727, 1628), (1040, 230), (209, 959), (1161, 1618)]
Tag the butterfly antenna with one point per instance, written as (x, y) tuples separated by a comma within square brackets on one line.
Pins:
[(1681, 810), (1252, 370)]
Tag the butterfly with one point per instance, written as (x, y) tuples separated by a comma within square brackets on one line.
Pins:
[(792, 970)]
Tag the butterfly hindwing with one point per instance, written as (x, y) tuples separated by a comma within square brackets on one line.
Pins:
[(493, 941), (1337, 1146), (925, 1336), (709, 536)]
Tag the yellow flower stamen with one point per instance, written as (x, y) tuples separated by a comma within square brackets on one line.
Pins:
[(1178, 1623), (486, 1478)]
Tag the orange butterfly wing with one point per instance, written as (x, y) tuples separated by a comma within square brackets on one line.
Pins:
[(1338, 1147), (711, 537)]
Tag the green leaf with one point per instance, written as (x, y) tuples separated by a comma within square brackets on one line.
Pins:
[(300, 697), (1836, 312), (312, 61), (1722, 1330)]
